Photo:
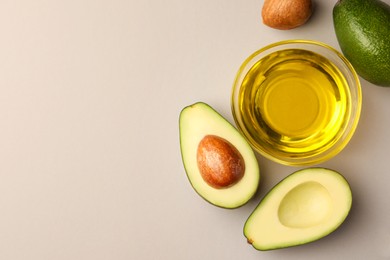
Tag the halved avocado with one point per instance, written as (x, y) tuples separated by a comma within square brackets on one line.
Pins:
[(220, 164), (305, 206)]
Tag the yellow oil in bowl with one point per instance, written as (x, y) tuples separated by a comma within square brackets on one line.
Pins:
[(295, 104)]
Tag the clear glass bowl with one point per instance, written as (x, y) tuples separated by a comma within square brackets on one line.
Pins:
[(297, 102)]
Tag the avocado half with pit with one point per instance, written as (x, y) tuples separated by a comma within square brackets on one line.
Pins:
[(305, 206), (220, 164)]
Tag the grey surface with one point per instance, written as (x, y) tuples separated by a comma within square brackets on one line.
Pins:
[(90, 166)]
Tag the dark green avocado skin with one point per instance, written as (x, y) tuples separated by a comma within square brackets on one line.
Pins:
[(363, 31)]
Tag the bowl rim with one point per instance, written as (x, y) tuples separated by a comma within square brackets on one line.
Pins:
[(354, 89)]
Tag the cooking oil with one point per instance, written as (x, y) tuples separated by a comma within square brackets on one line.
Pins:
[(294, 103)]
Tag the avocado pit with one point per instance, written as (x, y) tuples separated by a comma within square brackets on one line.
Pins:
[(220, 163)]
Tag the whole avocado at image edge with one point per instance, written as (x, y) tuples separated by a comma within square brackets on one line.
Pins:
[(363, 31)]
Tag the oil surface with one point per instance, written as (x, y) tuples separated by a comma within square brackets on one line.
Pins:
[(294, 103)]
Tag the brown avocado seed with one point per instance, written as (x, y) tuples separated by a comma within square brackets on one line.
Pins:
[(220, 163), (286, 14)]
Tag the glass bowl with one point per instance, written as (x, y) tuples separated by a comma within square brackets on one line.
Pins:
[(297, 102)]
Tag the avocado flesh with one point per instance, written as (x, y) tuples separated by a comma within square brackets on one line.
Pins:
[(363, 31), (305, 206), (199, 120)]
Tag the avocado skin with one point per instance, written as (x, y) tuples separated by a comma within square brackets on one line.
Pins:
[(363, 31)]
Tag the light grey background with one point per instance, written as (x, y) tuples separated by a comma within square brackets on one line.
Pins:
[(90, 166)]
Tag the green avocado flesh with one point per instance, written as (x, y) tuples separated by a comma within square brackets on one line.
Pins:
[(225, 148), (305, 206), (363, 31)]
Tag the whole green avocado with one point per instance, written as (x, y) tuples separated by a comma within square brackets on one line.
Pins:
[(363, 31)]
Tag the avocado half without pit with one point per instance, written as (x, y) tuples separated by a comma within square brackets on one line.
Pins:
[(220, 164), (305, 206)]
